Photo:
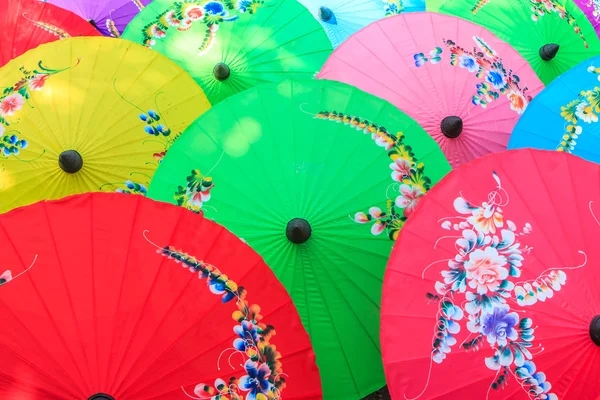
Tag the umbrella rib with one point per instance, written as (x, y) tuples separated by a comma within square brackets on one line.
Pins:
[(140, 314), (53, 322)]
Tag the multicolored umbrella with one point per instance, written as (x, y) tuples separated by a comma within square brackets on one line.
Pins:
[(591, 9), (552, 35), (318, 177), (109, 16), (341, 18), (564, 116), (491, 290), (463, 85), (100, 307), (229, 47), (25, 24), (88, 114)]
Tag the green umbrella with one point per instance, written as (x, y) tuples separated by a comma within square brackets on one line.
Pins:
[(301, 170), (229, 46), (552, 35)]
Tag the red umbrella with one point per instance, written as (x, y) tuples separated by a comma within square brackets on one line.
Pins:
[(106, 309), (25, 24), (492, 288)]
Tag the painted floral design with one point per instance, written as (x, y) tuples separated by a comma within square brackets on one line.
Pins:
[(539, 8), (392, 7), (408, 179), (182, 14), (263, 377), (487, 65), (595, 6), (585, 108), (154, 125), (195, 193), (5, 277), (52, 29), (12, 101), (481, 288)]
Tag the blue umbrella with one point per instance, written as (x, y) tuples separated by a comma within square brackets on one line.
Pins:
[(341, 18), (564, 116)]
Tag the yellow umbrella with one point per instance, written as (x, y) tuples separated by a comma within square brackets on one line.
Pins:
[(89, 114)]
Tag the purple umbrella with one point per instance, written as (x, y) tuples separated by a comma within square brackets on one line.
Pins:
[(109, 16), (591, 8)]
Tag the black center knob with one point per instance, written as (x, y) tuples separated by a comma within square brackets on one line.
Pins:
[(101, 396), (595, 330), (91, 21), (70, 161), (221, 71), (548, 51), (325, 14), (451, 126), (298, 230)]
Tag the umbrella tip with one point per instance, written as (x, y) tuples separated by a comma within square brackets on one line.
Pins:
[(298, 230), (595, 330), (325, 13), (451, 126), (101, 396), (221, 71), (91, 21), (70, 161), (549, 51)]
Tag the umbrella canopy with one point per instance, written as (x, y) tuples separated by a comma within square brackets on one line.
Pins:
[(591, 9), (317, 177), (106, 307), (564, 116), (494, 283), (341, 18), (109, 16), (25, 24), (552, 35), (462, 84), (76, 115), (228, 48)]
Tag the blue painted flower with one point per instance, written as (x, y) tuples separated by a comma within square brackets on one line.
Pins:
[(143, 117), (496, 79), (215, 8), (420, 59), (151, 130), (499, 326), (22, 143), (468, 62), (248, 336), (153, 115), (257, 380)]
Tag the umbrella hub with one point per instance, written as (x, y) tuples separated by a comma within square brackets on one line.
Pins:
[(101, 396), (221, 71), (451, 126), (70, 161), (595, 330), (298, 230), (548, 51), (93, 23), (325, 14)]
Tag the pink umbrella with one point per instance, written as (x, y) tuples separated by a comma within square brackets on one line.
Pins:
[(466, 87)]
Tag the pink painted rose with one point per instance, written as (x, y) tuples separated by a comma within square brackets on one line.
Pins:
[(485, 270), (409, 197), (401, 169), (38, 81), (11, 104)]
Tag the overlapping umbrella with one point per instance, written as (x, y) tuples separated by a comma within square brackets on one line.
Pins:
[(25, 24), (491, 290), (463, 85), (109, 16), (591, 9), (552, 35), (85, 114), (319, 178), (229, 47), (341, 18), (102, 309), (564, 116)]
